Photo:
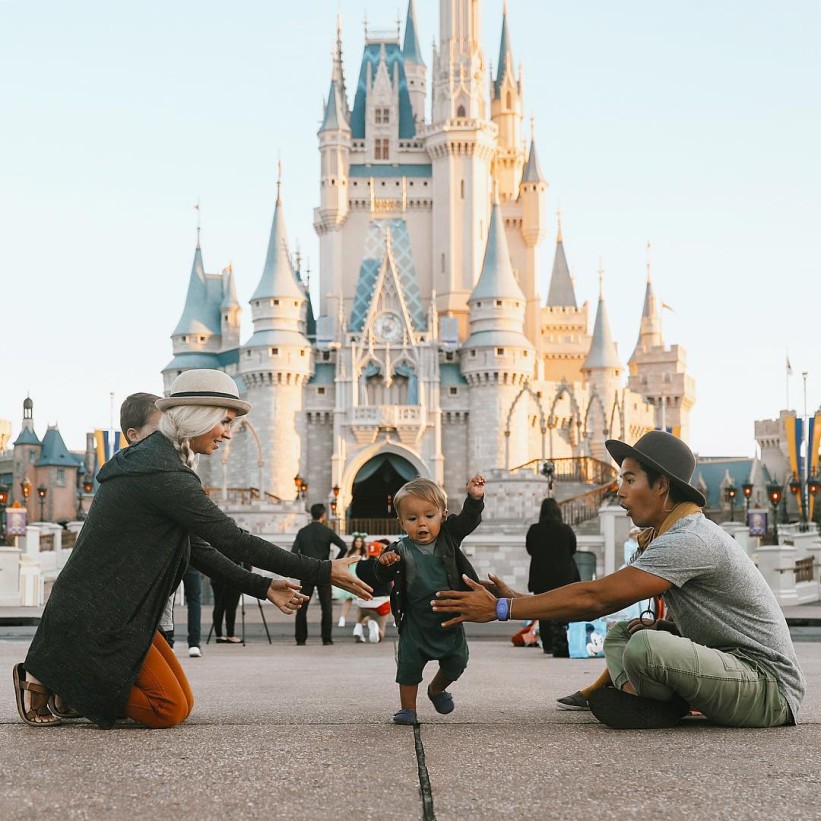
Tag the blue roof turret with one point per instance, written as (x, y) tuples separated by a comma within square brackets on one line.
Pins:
[(410, 47), (505, 57), (197, 314), (532, 171), (55, 453), (603, 354), (335, 118), (561, 293), (497, 279), (278, 278)]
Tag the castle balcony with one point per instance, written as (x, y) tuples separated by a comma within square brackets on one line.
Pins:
[(405, 422)]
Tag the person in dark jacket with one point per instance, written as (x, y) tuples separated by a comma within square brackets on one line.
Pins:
[(551, 545), (419, 564), (315, 540), (97, 644)]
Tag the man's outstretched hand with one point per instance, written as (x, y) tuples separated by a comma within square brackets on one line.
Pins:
[(286, 596), (476, 604)]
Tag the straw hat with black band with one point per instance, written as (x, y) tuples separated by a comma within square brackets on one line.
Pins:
[(664, 453), (204, 386)]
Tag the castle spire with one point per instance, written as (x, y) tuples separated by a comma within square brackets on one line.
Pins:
[(532, 171), (505, 65), (192, 320), (603, 354), (410, 46), (561, 292), (278, 278), (650, 325), (497, 279)]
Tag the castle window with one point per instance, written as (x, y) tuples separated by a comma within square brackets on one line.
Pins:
[(382, 116), (460, 112), (382, 149), (274, 351), (443, 261), (320, 391), (462, 189), (275, 302), (500, 351), (202, 339), (326, 356), (473, 354), (453, 391), (449, 356), (498, 303), (61, 476), (509, 101), (302, 352)]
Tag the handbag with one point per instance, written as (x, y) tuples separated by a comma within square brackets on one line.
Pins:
[(381, 604)]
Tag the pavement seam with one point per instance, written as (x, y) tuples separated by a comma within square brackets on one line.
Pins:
[(428, 813)]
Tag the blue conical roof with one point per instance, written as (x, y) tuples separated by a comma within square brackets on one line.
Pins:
[(505, 56), (410, 48), (532, 171), (561, 293), (497, 279), (55, 453), (278, 278), (194, 315), (603, 354), (335, 118)]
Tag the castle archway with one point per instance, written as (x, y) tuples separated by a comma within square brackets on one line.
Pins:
[(375, 484)]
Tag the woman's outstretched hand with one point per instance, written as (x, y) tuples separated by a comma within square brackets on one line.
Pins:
[(476, 604), (342, 577), (286, 596)]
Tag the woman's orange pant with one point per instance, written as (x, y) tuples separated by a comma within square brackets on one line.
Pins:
[(161, 695)]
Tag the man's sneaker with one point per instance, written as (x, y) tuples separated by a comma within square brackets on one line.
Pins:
[(624, 711), (194, 652), (373, 632), (575, 702)]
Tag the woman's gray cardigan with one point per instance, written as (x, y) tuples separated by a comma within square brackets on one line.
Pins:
[(107, 602)]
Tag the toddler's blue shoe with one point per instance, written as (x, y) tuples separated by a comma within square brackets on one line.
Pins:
[(405, 716), (443, 703)]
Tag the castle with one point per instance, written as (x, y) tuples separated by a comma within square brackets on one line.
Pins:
[(430, 351)]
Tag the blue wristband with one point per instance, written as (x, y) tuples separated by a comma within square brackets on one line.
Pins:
[(503, 609)]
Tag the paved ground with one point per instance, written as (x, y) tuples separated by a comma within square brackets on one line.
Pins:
[(290, 732)]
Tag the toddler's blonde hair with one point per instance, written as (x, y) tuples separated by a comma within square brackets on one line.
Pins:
[(421, 488)]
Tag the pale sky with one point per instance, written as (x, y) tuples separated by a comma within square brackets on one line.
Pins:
[(692, 125)]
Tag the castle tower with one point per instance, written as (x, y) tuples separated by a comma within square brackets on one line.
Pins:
[(565, 340), (461, 143), (532, 191), (335, 151), (506, 106), (276, 363), (658, 373), (497, 358), (27, 449), (230, 311), (602, 369), (415, 69)]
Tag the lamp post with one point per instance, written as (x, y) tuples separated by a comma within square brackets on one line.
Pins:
[(335, 500), (548, 471), (775, 493), (4, 498), (731, 492), (747, 490), (25, 488), (298, 485), (42, 490), (813, 486)]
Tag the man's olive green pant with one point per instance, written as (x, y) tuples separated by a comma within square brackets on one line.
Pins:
[(727, 689)]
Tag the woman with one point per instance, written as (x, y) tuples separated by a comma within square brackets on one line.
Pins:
[(356, 549), (551, 545), (97, 645)]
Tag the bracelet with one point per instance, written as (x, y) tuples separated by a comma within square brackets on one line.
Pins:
[(503, 609)]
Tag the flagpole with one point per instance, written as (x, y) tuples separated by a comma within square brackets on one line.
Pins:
[(787, 372)]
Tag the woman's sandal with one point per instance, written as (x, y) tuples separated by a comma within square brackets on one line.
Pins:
[(58, 707), (40, 711)]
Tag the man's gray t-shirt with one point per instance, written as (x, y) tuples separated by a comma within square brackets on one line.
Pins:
[(719, 599)]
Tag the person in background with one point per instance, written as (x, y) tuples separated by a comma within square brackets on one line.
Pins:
[(226, 599), (315, 540), (374, 612), (551, 545), (357, 548)]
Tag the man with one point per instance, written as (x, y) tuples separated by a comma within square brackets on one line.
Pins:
[(315, 540), (727, 653)]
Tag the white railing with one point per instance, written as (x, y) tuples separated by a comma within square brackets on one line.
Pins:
[(385, 415)]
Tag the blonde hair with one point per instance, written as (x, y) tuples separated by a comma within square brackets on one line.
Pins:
[(425, 489), (181, 423)]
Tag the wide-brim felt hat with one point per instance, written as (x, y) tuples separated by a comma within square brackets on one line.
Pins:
[(664, 453), (204, 386)]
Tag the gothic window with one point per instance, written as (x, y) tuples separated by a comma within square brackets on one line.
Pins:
[(462, 189), (382, 116), (460, 112), (382, 149), (509, 101)]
